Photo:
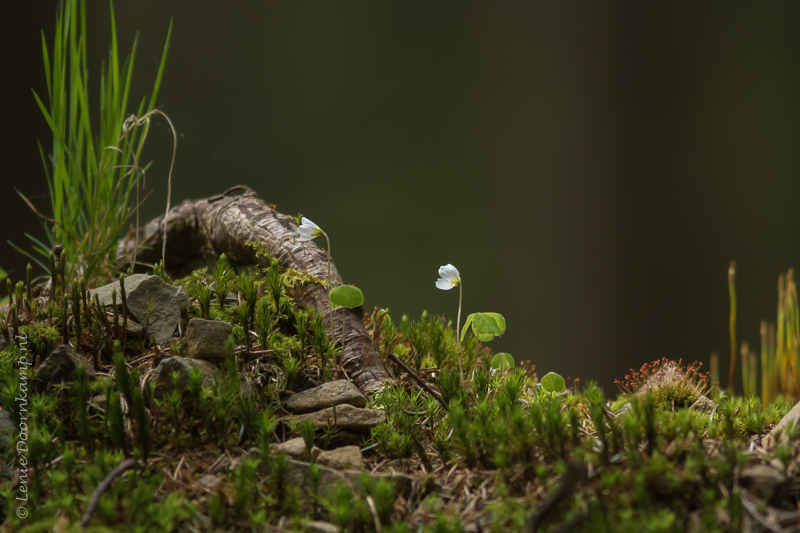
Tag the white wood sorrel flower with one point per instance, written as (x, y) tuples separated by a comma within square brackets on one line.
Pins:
[(308, 230), (449, 277)]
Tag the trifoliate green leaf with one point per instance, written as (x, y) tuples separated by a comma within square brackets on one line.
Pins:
[(485, 326)]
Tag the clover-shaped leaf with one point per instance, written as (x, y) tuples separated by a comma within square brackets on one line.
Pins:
[(502, 361), (347, 296), (552, 382), (485, 326)]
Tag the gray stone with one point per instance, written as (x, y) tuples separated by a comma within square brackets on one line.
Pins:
[(763, 481), (206, 339), (141, 289), (135, 331), (703, 405), (315, 453), (209, 482), (162, 376), (300, 477), (62, 365), (8, 430), (104, 292), (293, 447), (344, 458), (778, 432), (344, 417), (326, 395)]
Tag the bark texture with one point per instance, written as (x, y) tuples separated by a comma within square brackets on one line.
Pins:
[(200, 229)]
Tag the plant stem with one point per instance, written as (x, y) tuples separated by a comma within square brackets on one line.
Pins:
[(458, 332), (330, 305), (732, 291), (344, 316)]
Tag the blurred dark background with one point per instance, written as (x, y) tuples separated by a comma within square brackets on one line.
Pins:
[(591, 170)]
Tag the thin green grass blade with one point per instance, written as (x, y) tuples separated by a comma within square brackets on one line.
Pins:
[(39, 243), (46, 57), (33, 258), (128, 70), (161, 67), (47, 117)]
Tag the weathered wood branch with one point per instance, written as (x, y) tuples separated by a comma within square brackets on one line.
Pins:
[(199, 229)]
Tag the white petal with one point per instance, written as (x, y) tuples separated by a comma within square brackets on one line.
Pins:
[(450, 273), (444, 284), (305, 222), (453, 271), (306, 233)]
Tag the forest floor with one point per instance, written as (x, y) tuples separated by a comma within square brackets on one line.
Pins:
[(181, 407)]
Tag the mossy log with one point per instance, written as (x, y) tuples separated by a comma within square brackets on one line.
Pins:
[(199, 229)]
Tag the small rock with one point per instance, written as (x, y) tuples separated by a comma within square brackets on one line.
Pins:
[(345, 417), (703, 405), (777, 434), (293, 447), (209, 482), (141, 289), (326, 395), (315, 453), (344, 458), (8, 430), (162, 376), (62, 365), (104, 293), (762, 481), (206, 339), (299, 476), (135, 331)]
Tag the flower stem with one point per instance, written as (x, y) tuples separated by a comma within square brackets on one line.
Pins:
[(458, 333), (344, 316), (330, 305)]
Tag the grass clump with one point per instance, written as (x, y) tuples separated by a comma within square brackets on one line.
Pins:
[(93, 175)]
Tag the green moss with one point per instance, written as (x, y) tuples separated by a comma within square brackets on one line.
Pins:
[(619, 403), (238, 334), (10, 354), (675, 396), (651, 463), (39, 340), (283, 344), (293, 279)]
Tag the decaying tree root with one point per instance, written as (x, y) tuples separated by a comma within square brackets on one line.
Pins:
[(199, 229)]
